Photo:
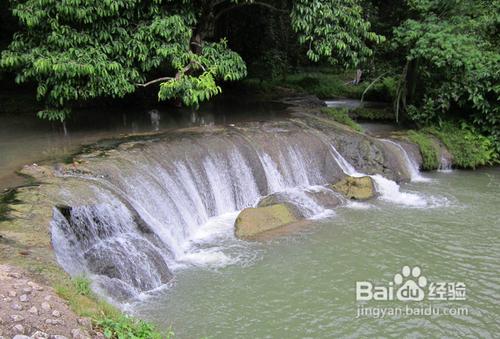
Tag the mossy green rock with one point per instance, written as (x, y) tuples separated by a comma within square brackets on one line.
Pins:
[(357, 188), (253, 221)]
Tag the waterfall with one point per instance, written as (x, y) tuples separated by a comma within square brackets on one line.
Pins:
[(411, 164), (445, 165), (161, 206)]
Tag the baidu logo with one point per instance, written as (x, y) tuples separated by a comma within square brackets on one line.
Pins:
[(410, 285)]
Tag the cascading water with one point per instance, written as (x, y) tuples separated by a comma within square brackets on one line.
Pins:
[(411, 164), (160, 206)]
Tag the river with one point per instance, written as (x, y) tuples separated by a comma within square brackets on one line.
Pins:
[(303, 285)]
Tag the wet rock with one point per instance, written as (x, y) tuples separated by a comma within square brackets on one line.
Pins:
[(357, 188), (252, 221)]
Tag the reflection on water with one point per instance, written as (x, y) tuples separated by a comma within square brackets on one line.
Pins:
[(26, 139)]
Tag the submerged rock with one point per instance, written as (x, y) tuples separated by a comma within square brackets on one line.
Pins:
[(357, 188), (253, 221)]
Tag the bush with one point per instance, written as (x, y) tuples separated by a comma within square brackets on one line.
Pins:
[(373, 113), (428, 149), (468, 147), (128, 328), (341, 116)]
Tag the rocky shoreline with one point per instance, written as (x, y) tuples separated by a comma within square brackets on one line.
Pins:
[(32, 310)]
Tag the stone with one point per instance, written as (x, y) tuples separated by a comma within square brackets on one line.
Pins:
[(54, 322), (39, 335), (24, 298), (57, 336), (357, 188), (78, 333), (47, 297), (18, 329), (85, 322), (27, 290), (14, 275), (21, 336), (56, 313), (12, 293), (33, 310), (45, 306), (35, 286), (16, 307), (252, 221), (16, 317)]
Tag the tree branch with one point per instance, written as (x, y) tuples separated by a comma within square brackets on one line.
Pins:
[(154, 81)]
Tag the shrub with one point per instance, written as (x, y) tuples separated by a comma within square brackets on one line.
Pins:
[(129, 328), (468, 147), (428, 149), (341, 116)]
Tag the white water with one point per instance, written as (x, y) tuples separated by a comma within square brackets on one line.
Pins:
[(411, 164), (189, 206)]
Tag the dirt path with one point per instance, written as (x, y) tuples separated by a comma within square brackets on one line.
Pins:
[(30, 310)]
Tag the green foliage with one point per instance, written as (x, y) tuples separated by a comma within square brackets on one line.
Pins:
[(429, 150), (82, 285), (369, 113), (341, 116), (128, 328), (333, 29), (466, 144), (80, 50), (453, 62)]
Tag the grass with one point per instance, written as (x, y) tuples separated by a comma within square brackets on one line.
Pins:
[(105, 317), (341, 115), (428, 149), (7, 198), (368, 113), (469, 148)]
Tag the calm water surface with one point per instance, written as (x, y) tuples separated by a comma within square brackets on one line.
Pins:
[(303, 285), (25, 139)]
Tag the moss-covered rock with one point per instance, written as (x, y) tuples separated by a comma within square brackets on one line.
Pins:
[(357, 188), (253, 221)]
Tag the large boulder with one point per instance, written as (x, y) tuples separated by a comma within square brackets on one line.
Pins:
[(253, 221), (357, 188)]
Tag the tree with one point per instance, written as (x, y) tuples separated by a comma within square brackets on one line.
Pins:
[(452, 69), (83, 49)]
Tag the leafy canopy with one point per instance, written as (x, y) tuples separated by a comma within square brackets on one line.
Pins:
[(77, 50), (453, 46)]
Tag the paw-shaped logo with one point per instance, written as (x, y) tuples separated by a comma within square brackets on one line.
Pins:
[(414, 282)]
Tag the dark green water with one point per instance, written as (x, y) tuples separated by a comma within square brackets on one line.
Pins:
[(303, 285)]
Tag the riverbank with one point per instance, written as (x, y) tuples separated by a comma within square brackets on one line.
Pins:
[(26, 238)]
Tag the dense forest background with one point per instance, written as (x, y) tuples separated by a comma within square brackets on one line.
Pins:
[(435, 61)]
